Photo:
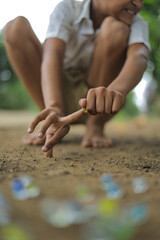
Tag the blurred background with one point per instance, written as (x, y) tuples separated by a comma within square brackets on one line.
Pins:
[(145, 98)]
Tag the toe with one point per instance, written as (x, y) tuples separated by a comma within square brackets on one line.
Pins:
[(96, 144), (86, 142), (101, 142), (27, 140), (108, 143), (33, 140), (38, 141)]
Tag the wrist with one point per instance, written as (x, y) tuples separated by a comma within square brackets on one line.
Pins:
[(119, 87), (120, 93), (56, 107)]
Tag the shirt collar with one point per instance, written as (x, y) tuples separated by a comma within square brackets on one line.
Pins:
[(85, 13)]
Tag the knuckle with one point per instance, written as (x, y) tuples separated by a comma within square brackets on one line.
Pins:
[(52, 116), (101, 90), (107, 21), (91, 91), (110, 19), (48, 110), (110, 91)]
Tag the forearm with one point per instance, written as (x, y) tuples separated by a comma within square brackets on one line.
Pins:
[(132, 71), (51, 73)]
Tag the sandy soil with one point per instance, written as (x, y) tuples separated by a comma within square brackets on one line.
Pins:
[(136, 151)]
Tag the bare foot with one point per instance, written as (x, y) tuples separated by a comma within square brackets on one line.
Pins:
[(95, 137), (33, 139)]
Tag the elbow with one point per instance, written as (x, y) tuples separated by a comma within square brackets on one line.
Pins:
[(145, 55), (139, 54), (142, 58), (145, 59)]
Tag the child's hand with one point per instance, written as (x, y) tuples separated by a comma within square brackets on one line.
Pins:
[(102, 100), (54, 127)]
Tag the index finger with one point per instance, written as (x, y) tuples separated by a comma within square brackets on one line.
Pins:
[(49, 153), (73, 117), (41, 116), (58, 135)]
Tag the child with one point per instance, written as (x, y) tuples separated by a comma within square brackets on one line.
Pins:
[(95, 51)]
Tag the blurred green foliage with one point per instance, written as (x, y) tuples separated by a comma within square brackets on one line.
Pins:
[(151, 13), (14, 96)]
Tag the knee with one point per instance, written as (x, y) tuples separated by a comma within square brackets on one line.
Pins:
[(114, 34), (15, 30)]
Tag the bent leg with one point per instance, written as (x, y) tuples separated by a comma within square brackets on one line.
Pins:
[(109, 53), (108, 60), (25, 54)]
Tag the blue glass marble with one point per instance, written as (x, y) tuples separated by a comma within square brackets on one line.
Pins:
[(113, 191)]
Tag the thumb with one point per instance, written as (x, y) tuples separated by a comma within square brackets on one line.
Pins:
[(83, 102)]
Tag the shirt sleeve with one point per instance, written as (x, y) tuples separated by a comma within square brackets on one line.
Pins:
[(139, 32), (60, 21)]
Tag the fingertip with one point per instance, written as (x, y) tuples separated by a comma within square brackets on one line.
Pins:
[(49, 153), (40, 134), (30, 130), (45, 149)]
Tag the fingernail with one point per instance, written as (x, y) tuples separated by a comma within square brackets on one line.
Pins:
[(29, 129), (40, 134), (45, 149)]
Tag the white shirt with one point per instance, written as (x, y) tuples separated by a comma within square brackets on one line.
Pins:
[(70, 21)]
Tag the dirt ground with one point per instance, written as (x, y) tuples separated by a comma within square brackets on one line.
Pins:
[(135, 152)]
